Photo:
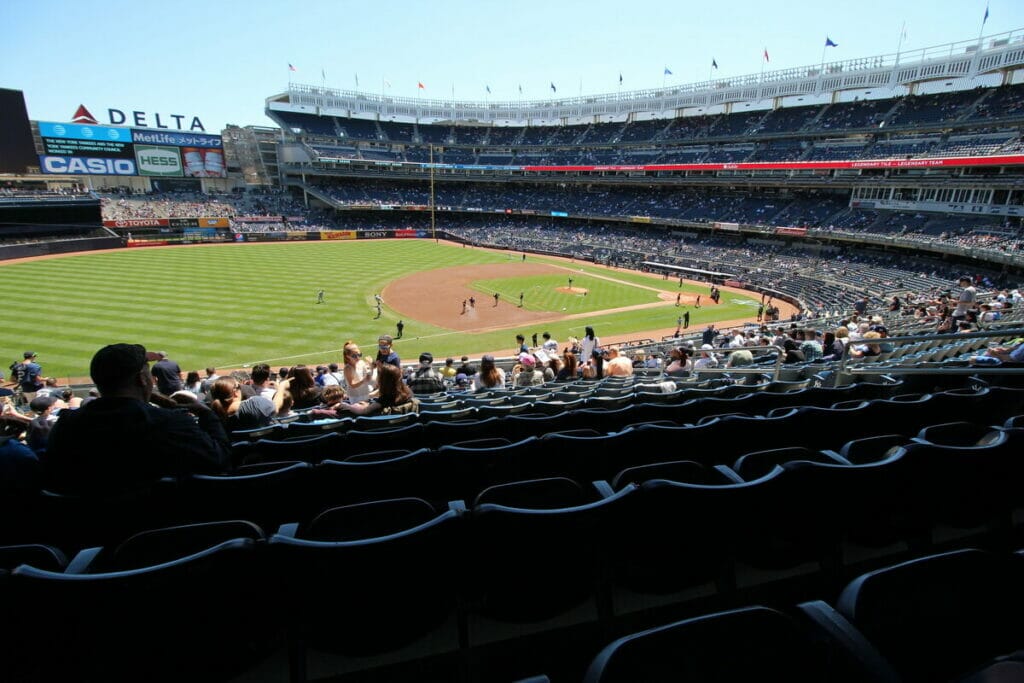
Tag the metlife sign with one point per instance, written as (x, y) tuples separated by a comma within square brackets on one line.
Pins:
[(161, 137), (158, 161)]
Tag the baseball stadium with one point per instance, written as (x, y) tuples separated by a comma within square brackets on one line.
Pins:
[(716, 381)]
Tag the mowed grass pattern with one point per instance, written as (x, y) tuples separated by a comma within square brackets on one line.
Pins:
[(541, 293), (232, 305)]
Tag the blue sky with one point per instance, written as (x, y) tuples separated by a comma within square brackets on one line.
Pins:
[(220, 59)]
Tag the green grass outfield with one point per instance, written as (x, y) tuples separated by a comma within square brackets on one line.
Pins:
[(234, 305)]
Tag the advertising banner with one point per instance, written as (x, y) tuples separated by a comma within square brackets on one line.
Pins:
[(158, 161), (301, 235), (791, 231), (136, 223), (338, 235), (88, 148), (85, 165), (78, 131), (175, 138), (219, 222), (204, 163), (375, 234), (183, 222), (406, 232), (200, 232)]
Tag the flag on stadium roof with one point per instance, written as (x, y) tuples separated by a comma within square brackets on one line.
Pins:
[(667, 72), (291, 68), (419, 84), (829, 43), (553, 88), (357, 79), (520, 89), (766, 55), (488, 89), (986, 15), (620, 79), (714, 64)]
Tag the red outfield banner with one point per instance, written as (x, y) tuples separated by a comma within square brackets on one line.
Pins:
[(1008, 160)]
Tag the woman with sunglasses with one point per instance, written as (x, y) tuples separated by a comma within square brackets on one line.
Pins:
[(360, 377)]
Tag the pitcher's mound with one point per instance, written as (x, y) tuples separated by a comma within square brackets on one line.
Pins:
[(572, 290)]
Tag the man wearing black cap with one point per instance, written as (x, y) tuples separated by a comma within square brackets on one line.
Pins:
[(425, 379), (167, 374), (119, 441), (31, 376)]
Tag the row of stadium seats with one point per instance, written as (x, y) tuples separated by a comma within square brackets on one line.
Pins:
[(547, 559), (977, 106)]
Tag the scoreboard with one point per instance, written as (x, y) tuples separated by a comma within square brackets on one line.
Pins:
[(75, 148)]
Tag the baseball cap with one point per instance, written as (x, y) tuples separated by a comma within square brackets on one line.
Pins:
[(707, 347), (426, 358), (489, 358), (385, 338), (527, 360), (116, 362), (462, 378), (41, 403), (29, 354)]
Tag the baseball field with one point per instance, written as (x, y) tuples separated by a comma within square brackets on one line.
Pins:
[(231, 306)]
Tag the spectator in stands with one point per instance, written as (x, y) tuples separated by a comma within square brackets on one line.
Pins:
[(20, 471), (297, 392), (594, 369), (261, 384), (615, 364), (193, 383), (967, 301), (253, 413), (680, 364), (31, 376), (740, 358), (551, 367), (569, 371), (528, 374), (394, 396), (211, 377), (426, 379), (167, 374), (793, 353), (589, 342), (119, 440), (831, 348), (868, 349), (448, 372), (490, 375), (385, 354), (467, 368), (707, 359), (225, 397), (360, 376), (1005, 354), (811, 346), (331, 396)]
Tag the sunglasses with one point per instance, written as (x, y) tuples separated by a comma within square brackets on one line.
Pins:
[(355, 354)]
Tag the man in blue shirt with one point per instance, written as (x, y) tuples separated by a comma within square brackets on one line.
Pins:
[(31, 376)]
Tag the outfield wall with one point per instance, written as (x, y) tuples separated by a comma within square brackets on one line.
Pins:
[(14, 251)]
